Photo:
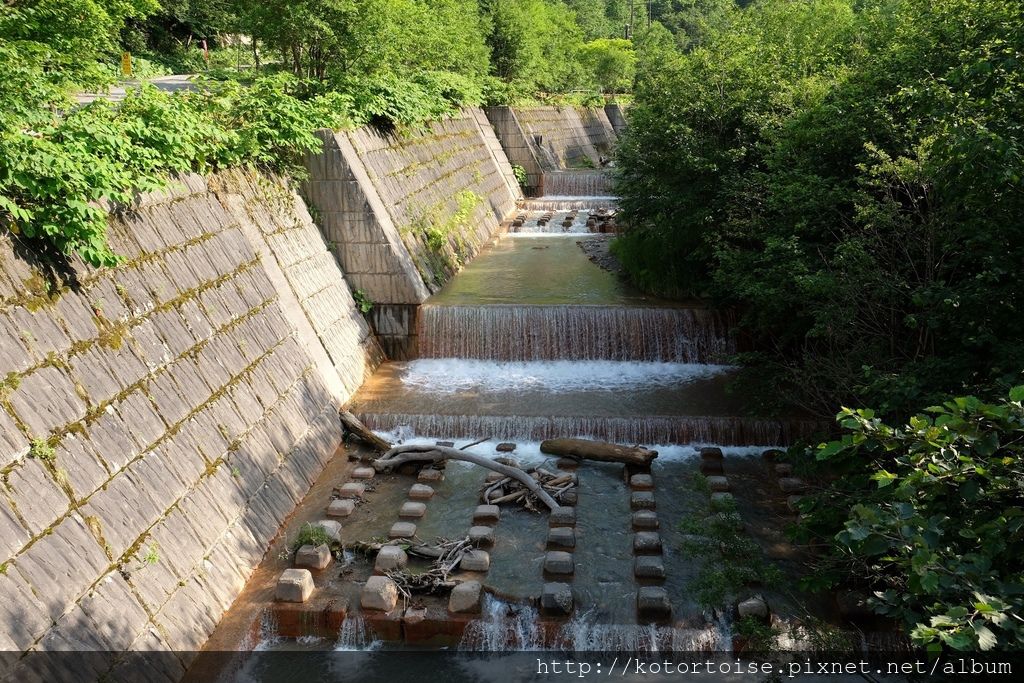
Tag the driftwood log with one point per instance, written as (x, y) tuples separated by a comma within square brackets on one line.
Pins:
[(352, 425), (399, 455), (599, 450)]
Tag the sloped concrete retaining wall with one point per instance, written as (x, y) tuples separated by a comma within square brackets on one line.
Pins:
[(567, 137), (403, 212), (159, 420)]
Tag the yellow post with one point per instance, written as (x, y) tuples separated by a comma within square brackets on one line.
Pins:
[(126, 64)]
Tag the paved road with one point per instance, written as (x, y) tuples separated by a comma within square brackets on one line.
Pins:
[(118, 92)]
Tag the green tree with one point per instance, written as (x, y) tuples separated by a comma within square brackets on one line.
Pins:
[(612, 63), (928, 518)]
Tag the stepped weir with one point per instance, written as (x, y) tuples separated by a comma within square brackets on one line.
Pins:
[(532, 340)]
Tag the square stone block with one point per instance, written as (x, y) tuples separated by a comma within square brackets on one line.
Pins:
[(363, 473), (402, 530), (556, 599), (390, 558), (295, 585), (313, 556), (559, 562), (711, 453), (379, 593), (412, 510), (562, 537), (645, 520), (352, 490), (718, 483), (331, 528), (652, 603), (421, 492), (562, 516), (481, 535), (642, 500), (429, 475), (641, 482), (791, 485), (711, 467), (341, 507), (486, 514), (465, 598), (476, 561), (646, 543), (506, 447), (649, 567)]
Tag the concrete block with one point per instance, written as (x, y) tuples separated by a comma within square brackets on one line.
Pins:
[(562, 516), (556, 599), (363, 473), (332, 528), (465, 598), (641, 482), (389, 558), (711, 453), (341, 507), (352, 490), (718, 483), (649, 567), (476, 561), (645, 520), (295, 585), (642, 500), (486, 514), (412, 510), (429, 475), (646, 543), (402, 530), (421, 492), (379, 593), (652, 603), (562, 537), (313, 557), (481, 535), (559, 562)]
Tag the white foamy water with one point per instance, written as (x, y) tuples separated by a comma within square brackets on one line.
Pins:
[(450, 375)]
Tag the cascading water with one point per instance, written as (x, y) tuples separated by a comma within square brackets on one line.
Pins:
[(725, 431), (579, 333), (504, 627), (355, 635), (570, 203), (576, 183)]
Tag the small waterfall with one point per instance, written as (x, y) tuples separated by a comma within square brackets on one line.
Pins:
[(355, 636), (525, 333), (576, 183), (570, 203), (504, 627), (583, 633), (725, 431)]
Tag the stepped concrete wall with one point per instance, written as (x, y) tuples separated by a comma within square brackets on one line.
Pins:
[(404, 211), (567, 137), (159, 420), (616, 114)]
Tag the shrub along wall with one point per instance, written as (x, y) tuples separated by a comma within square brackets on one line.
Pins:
[(160, 419)]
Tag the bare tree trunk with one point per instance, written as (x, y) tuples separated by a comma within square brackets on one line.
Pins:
[(428, 453), (599, 450), (352, 424)]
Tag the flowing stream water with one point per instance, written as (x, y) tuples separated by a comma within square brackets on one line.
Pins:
[(531, 341)]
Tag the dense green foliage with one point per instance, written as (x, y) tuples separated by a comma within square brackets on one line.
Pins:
[(929, 518), (313, 63), (848, 175)]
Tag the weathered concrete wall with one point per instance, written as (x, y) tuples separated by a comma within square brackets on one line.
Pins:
[(159, 420), (404, 212), (519, 149), (567, 137), (616, 114)]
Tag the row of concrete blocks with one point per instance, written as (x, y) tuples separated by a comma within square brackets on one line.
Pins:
[(652, 601), (556, 597), (790, 485), (296, 584)]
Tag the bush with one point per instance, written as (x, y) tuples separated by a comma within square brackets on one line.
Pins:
[(930, 518)]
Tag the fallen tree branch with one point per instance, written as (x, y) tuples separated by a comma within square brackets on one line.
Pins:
[(399, 455), (352, 424), (599, 450)]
